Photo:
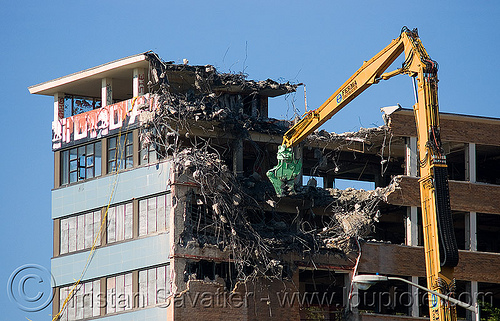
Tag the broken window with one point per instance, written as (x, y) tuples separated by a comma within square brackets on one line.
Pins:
[(203, 269), (154, 213), (74, 105), (462, 293), (79, 232), (488, 297), (80, 163), (455, 159), (391, 226), (487, 158), (423, 299), (459, 227), (120, 152), (322, 294), (385, 298), (200, 220), (148, 154), (119, 222), (488, 233)]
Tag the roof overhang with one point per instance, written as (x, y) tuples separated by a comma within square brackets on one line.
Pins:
[(88, 81)]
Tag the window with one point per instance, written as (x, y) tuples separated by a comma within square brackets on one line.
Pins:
[(120, 152), (119, 293), (120, 222), (148, 154), (154, 285), (74, 105), (81, 163), (84, 303), (79, 232), (153, 214)]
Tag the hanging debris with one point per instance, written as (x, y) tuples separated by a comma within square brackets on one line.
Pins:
[(238, 214)]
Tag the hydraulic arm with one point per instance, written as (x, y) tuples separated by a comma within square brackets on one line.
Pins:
[(441, 252)]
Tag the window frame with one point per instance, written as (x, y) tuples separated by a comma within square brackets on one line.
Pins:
[(72, 170), (69, 103), (154, 214), (123, 158), (148, 155)]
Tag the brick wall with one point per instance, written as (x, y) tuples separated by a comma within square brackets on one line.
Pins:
[(250, 301)]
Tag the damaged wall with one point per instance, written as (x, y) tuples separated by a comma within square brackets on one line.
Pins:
[(226, 211), (229, 235)]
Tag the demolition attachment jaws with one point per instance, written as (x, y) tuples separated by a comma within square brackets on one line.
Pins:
[(283, 175)]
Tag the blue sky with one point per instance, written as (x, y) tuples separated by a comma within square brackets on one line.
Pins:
[(319, 43)]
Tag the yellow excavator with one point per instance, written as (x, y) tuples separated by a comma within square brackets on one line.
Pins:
[(441, 251)]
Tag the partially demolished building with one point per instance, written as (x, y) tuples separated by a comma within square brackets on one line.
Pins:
[(162, 209)]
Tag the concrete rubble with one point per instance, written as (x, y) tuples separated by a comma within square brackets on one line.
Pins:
[(238, 214)]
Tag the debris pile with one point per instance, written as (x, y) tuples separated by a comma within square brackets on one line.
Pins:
[(238, 214), (228, 217), (221, 212), (362, 135), (354, 215)]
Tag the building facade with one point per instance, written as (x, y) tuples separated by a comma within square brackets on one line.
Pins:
[(161, 208)]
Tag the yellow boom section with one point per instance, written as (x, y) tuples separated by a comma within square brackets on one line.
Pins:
[(441, 253), (368, 74)]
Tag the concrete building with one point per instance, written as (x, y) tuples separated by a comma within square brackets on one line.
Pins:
[(161, 208)]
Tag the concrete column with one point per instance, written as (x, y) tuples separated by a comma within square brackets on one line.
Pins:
[(354, 303), (138, 82), (411, 169), (58, 106), (411, 157), (379, 180), (181, 198), (328, 181), (414, 308), (471, 222), (347, 287), (238, 158), (255, 105), (472, 289), (470, 162), (411, 226), (471, 231), (106, 92), (264, 107)]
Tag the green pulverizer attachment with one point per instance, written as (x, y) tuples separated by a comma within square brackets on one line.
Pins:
[(282, 176)]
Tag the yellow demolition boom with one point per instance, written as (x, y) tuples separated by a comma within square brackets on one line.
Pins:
[(441, 251)]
